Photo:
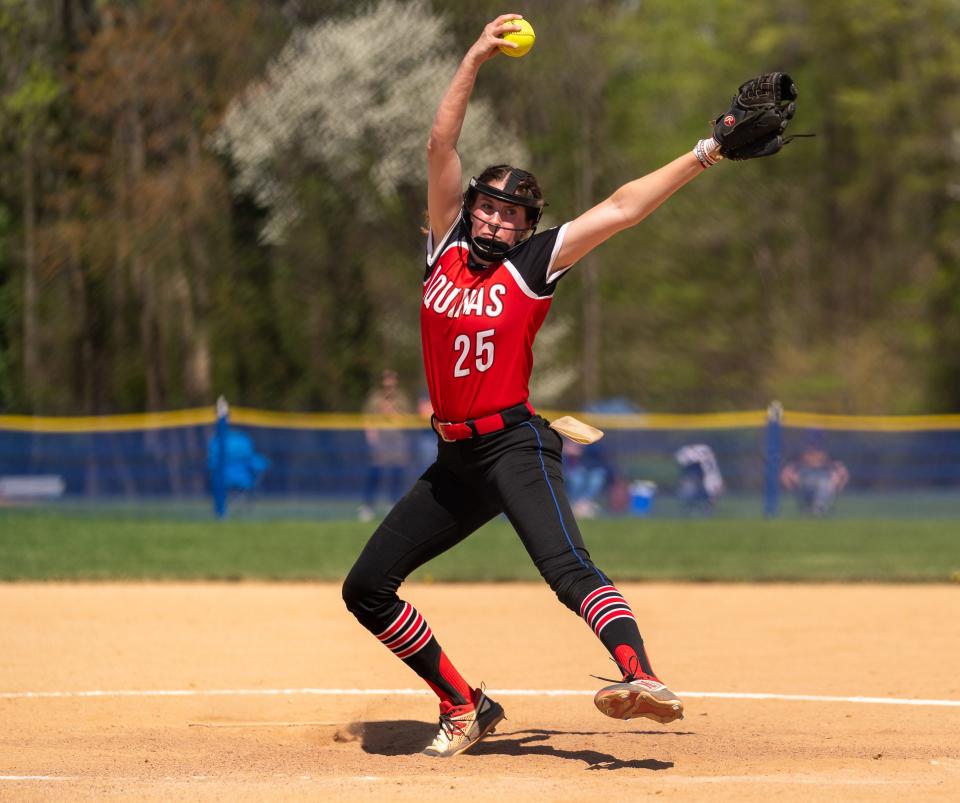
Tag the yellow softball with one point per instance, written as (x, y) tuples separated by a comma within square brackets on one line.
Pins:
[(524, 38)]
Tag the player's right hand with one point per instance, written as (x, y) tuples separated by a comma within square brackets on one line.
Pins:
[(488, 45)]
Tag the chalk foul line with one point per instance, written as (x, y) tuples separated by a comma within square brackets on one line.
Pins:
[(718, 695), (39, 777)]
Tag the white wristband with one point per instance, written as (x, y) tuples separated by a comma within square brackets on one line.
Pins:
[(707, 152)]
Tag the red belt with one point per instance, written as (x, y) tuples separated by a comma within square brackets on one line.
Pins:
[(483, 426)]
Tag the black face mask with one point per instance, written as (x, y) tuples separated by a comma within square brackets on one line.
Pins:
[(489, 249)]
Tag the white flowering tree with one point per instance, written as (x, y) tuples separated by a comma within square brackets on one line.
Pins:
[(354, 97)]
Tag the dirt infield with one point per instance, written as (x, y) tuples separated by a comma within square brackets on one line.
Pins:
[(253, 712)]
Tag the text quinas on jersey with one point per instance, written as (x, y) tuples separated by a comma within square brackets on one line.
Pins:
[(444, 297)]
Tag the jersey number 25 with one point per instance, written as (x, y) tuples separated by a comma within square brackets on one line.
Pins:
[(482, 352)]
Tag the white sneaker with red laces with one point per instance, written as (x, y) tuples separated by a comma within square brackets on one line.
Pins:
[(463, 726), (640, 697)]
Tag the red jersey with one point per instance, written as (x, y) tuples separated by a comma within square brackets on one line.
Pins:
[(477, 326)]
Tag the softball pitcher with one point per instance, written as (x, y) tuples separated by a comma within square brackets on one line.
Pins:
[(489, 281)]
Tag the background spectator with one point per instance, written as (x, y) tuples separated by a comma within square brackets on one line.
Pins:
[(586, 475), (815, 478), (700, 482), (388, 447)]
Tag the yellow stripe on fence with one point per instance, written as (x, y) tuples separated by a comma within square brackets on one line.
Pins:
[(266, 418), (109, 423), (872, 423), (734, 420), (269, 418), (246, 416)]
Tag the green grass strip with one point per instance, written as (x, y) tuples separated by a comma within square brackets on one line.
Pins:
[(36, 546)]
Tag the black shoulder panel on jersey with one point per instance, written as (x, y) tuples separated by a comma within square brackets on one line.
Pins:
[(533, 260)]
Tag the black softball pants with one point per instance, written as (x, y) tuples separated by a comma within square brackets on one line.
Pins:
[(516, 471)]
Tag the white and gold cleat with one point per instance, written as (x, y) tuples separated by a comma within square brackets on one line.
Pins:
[(461, 727), (641, 697)]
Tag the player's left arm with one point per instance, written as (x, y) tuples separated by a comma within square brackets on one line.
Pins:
[(625, 208), (753, 127)]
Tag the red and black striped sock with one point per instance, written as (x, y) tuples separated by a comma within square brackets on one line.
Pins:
[(409, 638), (610, 618)]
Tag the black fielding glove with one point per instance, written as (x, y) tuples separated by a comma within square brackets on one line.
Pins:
[(758, 117)]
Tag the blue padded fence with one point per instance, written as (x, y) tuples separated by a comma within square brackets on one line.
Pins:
[(319, 465)]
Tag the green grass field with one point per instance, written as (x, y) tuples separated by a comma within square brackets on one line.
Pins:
[(48, 546)]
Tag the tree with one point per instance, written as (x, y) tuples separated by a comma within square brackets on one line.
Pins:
[(331, 142), (148, 214), (178, 219), (32, 89)]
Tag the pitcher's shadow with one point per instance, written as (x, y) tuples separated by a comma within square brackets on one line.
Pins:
[(407, 737)]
